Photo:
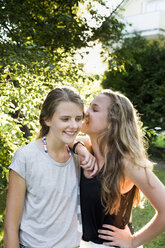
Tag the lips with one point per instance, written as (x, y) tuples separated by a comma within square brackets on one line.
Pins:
[(71, 133)]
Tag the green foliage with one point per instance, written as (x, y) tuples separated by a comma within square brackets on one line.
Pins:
[(140, 218), (21, 97), (157, 143), (2, 210), (33, 30), (159, 140), (38, 28), (137, 69), (38, 41), (142, 215)]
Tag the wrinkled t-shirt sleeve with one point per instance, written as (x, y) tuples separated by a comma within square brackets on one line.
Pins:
[(18, 163)]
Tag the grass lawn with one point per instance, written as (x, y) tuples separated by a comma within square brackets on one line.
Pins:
[(140, 216)]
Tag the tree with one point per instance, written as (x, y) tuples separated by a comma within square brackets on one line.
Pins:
[(137, 69), (34, 30), (38, 40)]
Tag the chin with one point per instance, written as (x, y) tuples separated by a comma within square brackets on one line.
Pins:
[(69, 140)]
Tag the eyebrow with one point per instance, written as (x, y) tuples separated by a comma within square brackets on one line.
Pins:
[(94, 105), (69, 115)]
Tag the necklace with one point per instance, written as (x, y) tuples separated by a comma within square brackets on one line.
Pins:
[(44, 144)]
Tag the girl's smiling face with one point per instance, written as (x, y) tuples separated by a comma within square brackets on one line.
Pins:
[(66, 122)]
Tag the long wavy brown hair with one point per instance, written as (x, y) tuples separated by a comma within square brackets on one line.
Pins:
[(123, 138), (53, 99)]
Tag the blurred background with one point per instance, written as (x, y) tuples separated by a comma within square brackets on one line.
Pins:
[(89, 45)]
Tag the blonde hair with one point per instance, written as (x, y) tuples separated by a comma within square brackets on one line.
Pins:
[(123, 138)]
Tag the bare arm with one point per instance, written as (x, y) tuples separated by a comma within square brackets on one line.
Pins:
[(88, 161), (14, 207), (85, 139), (154, 190)]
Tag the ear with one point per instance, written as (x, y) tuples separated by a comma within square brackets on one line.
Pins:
[(47, 123)]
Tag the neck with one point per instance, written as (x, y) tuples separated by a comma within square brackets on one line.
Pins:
[(95, 147), (56, 150), (54, 145)]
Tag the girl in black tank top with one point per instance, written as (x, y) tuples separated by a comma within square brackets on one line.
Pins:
[(116, 139), (93, 213)]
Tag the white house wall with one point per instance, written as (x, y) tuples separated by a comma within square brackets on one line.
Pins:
[(146, 16), (133, 7)]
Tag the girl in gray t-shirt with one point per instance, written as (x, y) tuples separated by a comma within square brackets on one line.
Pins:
[(42, 203)]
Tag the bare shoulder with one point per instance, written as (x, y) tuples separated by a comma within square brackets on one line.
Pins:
[(135, 174), (131, 169), (139, 175), (127, 184), (145, 179)]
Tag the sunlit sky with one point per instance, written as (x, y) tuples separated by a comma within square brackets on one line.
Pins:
[(92, 61)]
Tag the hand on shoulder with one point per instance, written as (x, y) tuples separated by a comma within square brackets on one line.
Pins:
[(86, 140), (87, 160)]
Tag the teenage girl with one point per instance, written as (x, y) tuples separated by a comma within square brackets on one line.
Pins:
[(42, 202), (116, 140)]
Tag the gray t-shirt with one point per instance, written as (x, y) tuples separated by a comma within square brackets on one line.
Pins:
[(50, 218)]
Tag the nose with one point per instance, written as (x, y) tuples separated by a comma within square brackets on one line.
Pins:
[(73, 124)]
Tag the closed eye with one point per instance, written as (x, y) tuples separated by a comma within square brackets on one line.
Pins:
[(79, 118), (95, 110), (95, 107), (65, 119)]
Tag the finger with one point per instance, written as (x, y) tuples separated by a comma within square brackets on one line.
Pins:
[(91, 168), (87, 166), (88, 159), (95, 169), (90, 164), (86, 162), (106, 232), (113, 228), (108, 238), (85, 159)]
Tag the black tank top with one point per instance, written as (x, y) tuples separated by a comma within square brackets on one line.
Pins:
[(93, 213)]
